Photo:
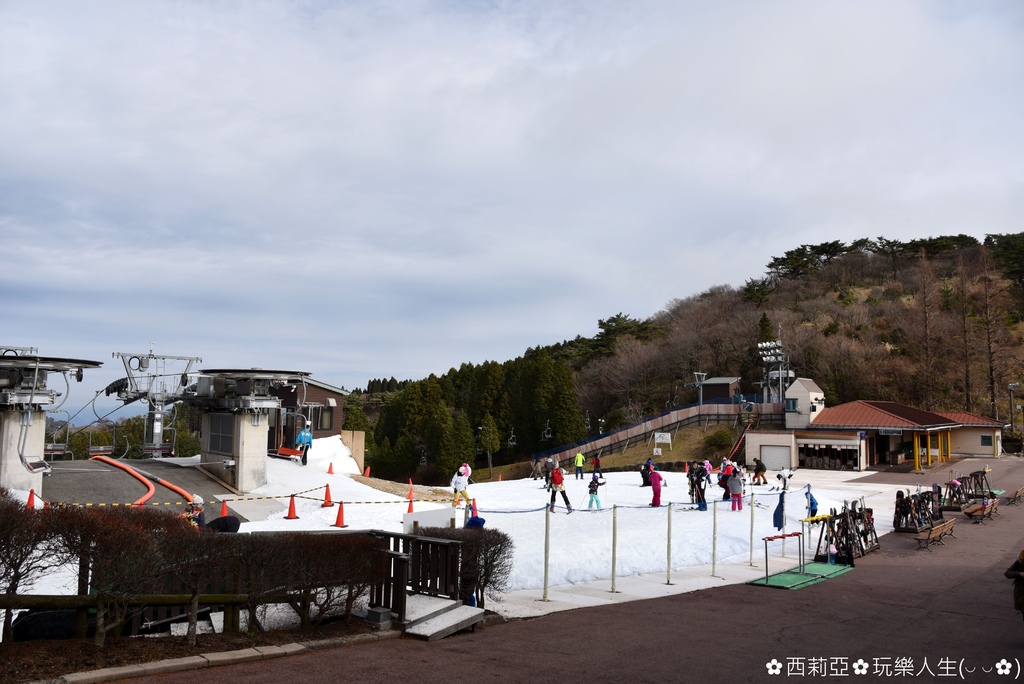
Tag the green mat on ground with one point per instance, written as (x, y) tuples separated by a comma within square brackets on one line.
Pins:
[(794, 579)]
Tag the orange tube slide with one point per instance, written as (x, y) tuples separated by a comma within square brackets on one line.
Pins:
[(134, 473)]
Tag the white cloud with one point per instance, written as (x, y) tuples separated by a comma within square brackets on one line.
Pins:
[(371, 189)]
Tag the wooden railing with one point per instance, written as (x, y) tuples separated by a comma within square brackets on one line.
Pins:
[(420, 565)]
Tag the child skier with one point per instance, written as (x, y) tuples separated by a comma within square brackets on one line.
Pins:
[(460, 482), (558, 485), (734, 486), (592, 489)]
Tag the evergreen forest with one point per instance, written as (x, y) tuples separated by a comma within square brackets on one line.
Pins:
[(933, 323)]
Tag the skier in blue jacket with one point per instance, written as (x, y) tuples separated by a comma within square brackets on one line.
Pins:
[(304, 441)]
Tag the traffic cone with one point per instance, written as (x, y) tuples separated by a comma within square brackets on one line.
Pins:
[(340, 522), (686, 466), (366, 473), (410, 500), (31, 503), (224, 508), (499, 477), (474, 508), (291, 510), (327, 498), (330, 468)]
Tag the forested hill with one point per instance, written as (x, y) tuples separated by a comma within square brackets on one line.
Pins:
[(933, 323)]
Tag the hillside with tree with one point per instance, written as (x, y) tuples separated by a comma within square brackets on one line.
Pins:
[(932, 323)]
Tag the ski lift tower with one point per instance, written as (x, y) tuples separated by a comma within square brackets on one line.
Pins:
[(148, 378), (239, 407), (24, 400)]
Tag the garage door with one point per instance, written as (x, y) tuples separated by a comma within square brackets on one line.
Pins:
[(776, 457)]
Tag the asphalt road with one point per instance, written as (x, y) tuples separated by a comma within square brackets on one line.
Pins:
[(907, 614)]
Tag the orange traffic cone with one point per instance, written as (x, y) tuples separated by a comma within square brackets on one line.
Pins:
[(366, 473), (327, 498), (291, 510), (410, 500), (340, 522), (330, 468), (31, 503), (686, 466), (499, 477), (224, 508), (474, 508)]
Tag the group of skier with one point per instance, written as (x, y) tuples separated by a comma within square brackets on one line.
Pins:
[(730, 479)]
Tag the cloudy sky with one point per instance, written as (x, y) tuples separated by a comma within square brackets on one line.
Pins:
[(373, 189)]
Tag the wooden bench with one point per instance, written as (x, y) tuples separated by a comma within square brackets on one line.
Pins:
[(1016, 497), (935, 533), (978, 512)]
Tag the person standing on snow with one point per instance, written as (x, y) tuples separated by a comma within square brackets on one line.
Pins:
[(760, 470), (592, 489), (304, 441), (460, 484), (656, 480), (597, 465), (549, 466), (579, 461), (735, 487), (558, 485), (812, 505)]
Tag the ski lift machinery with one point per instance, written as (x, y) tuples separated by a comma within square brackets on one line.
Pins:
[(148, 378), (25, 397)]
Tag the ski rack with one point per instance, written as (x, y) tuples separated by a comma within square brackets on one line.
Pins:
[(852, 530)]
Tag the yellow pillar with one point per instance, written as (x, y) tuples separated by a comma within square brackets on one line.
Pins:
[(917, 451), (928, 441)]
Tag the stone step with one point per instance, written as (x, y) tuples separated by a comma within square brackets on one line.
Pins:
[(420, 608), (447, 623)]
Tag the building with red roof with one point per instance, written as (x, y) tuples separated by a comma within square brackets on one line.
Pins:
[(860, 434)]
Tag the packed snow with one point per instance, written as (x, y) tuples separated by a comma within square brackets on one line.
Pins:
[(580, 546)]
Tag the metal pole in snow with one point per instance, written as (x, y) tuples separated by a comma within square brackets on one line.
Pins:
[(714, 536), (547, 548), (751, 528), (668, 549), (615, 532)]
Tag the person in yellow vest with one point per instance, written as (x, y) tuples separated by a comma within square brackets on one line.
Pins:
[(578, 462)]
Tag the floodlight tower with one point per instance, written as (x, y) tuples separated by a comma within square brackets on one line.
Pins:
[(776, 365), (147, 377), (24, 400)]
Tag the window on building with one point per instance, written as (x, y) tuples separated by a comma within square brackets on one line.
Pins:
[(791, 406), (326, 418), (222, 433), (986, 440)]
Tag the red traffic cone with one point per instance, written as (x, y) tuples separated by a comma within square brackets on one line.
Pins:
[(686, 466), (223, 508), (31, 503), (473, 508), (291, 510), (327, 498), (410, 500), (330, 468), (499, 477), (340, 522), (366, 473)]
